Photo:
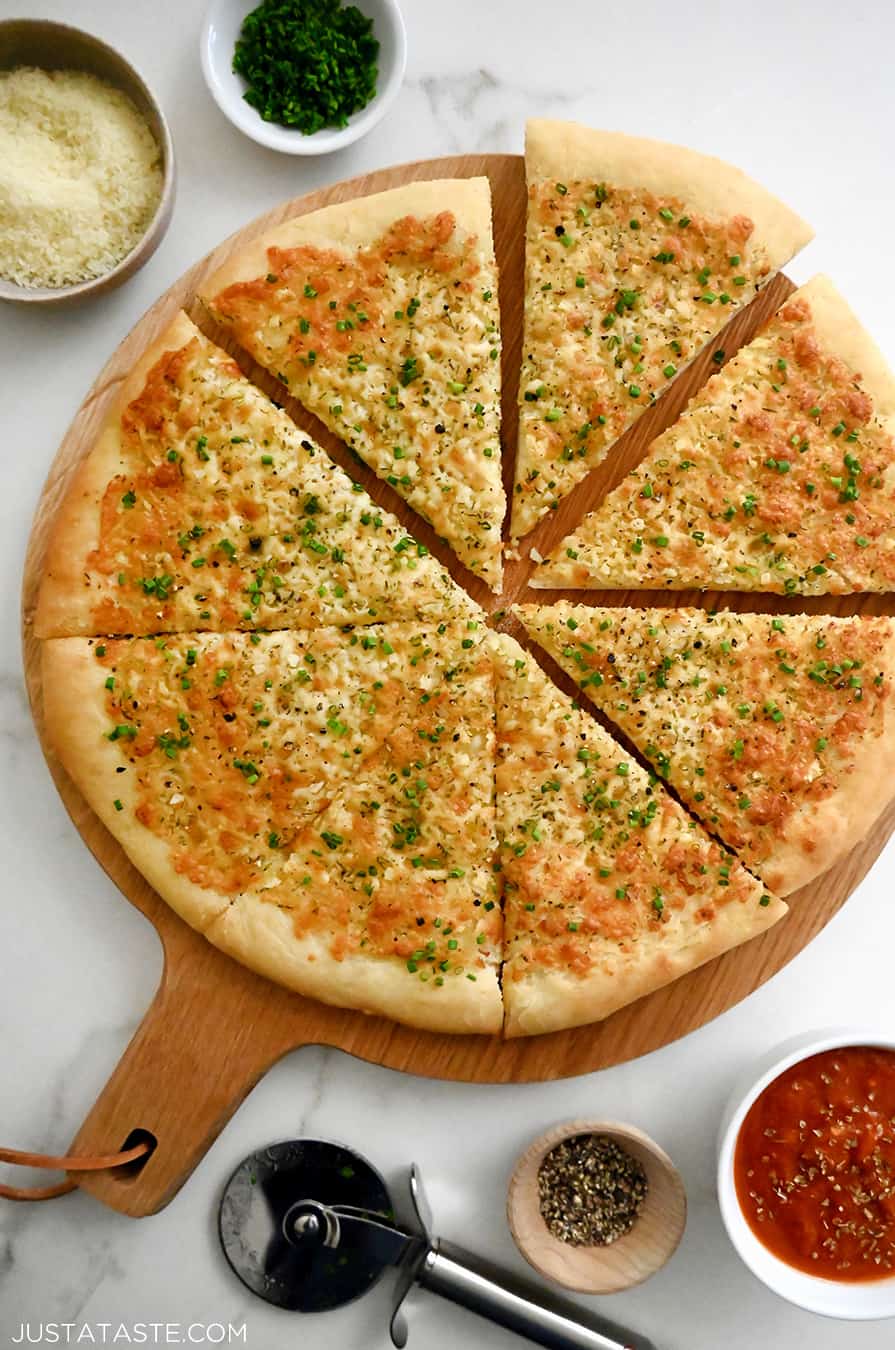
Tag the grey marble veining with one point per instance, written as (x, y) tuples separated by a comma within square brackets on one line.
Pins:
[(766, 88)]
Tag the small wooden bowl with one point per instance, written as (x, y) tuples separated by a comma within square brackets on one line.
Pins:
[(57, 46), (623, 1263)]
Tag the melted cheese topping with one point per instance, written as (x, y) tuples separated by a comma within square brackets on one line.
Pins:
[(779, 477), (345, 776), (623, 289), (396, 348), (598, 861), (223, 515), (753, 719)]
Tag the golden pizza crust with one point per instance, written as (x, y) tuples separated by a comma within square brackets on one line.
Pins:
[(819, 833), (553, 1000), (262, 937), (817, 841), (76, 724), (590, 270), (358, 223), (257, 923), (65, 603), (414, 395), (657, 495), (552, 760), (839, 330), (708, 185), (371, 570)]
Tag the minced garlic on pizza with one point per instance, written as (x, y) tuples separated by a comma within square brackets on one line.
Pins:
[(779, 475), (202, 506), (637, 254), (381, 316), (777, 731), (610, 889), (319, 804)]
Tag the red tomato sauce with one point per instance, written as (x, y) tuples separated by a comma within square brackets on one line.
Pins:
[(814, 1165)]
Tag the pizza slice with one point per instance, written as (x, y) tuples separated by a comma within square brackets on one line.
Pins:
[(778, 732), (381, 316), (319, 804), (388, 901), (610, 889), (779, 475), (202, 506), (637, 255)]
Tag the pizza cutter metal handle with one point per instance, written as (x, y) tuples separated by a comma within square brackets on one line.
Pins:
[(475, 1284), (465, 1279)]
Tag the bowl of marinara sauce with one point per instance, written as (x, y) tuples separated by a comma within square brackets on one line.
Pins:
[(806, 1173)]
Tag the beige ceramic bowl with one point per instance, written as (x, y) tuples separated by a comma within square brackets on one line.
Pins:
[(626, 1262), (56, 46)]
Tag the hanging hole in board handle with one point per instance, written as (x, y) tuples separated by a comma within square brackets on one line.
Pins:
[(144, 1140), (131, 1158)]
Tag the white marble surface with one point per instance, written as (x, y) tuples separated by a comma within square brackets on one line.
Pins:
[(798, 93)]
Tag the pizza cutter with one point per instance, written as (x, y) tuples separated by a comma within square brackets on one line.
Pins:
[(309, 1225)]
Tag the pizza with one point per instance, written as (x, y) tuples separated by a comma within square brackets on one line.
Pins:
[(381, 317), (318, 803), (308, 737), (610, 889), (777, 731), (203, 506), (637, 255), (779, 476)]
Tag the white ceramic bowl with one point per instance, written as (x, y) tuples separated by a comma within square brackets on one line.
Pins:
[(860, 1301), (223, 21)]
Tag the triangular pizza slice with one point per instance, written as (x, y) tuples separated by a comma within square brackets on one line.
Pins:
[(203, 506), (389, 901), (610, 889), (779, 476), (270, 785), (637, 255), (381, 316), (777, 731)]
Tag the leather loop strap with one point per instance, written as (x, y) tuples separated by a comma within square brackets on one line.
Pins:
[(97, 1163)]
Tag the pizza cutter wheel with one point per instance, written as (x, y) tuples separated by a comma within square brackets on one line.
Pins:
[(309, 1225)]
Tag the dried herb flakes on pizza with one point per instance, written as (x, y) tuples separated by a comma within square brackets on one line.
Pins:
[(777, 731), (381, 316), (779, 475), (203, 506), (610, 889), (319, 804), (637, 255)]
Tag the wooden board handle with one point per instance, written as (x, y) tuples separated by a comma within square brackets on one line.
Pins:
[(179, 1080)]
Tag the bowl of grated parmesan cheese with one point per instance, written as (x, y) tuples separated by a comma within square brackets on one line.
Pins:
[(86, 165)]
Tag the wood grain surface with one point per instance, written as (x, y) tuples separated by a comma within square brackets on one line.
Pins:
[(214, 1028)]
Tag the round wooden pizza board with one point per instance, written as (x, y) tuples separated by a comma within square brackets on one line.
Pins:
[(214, 1028)]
